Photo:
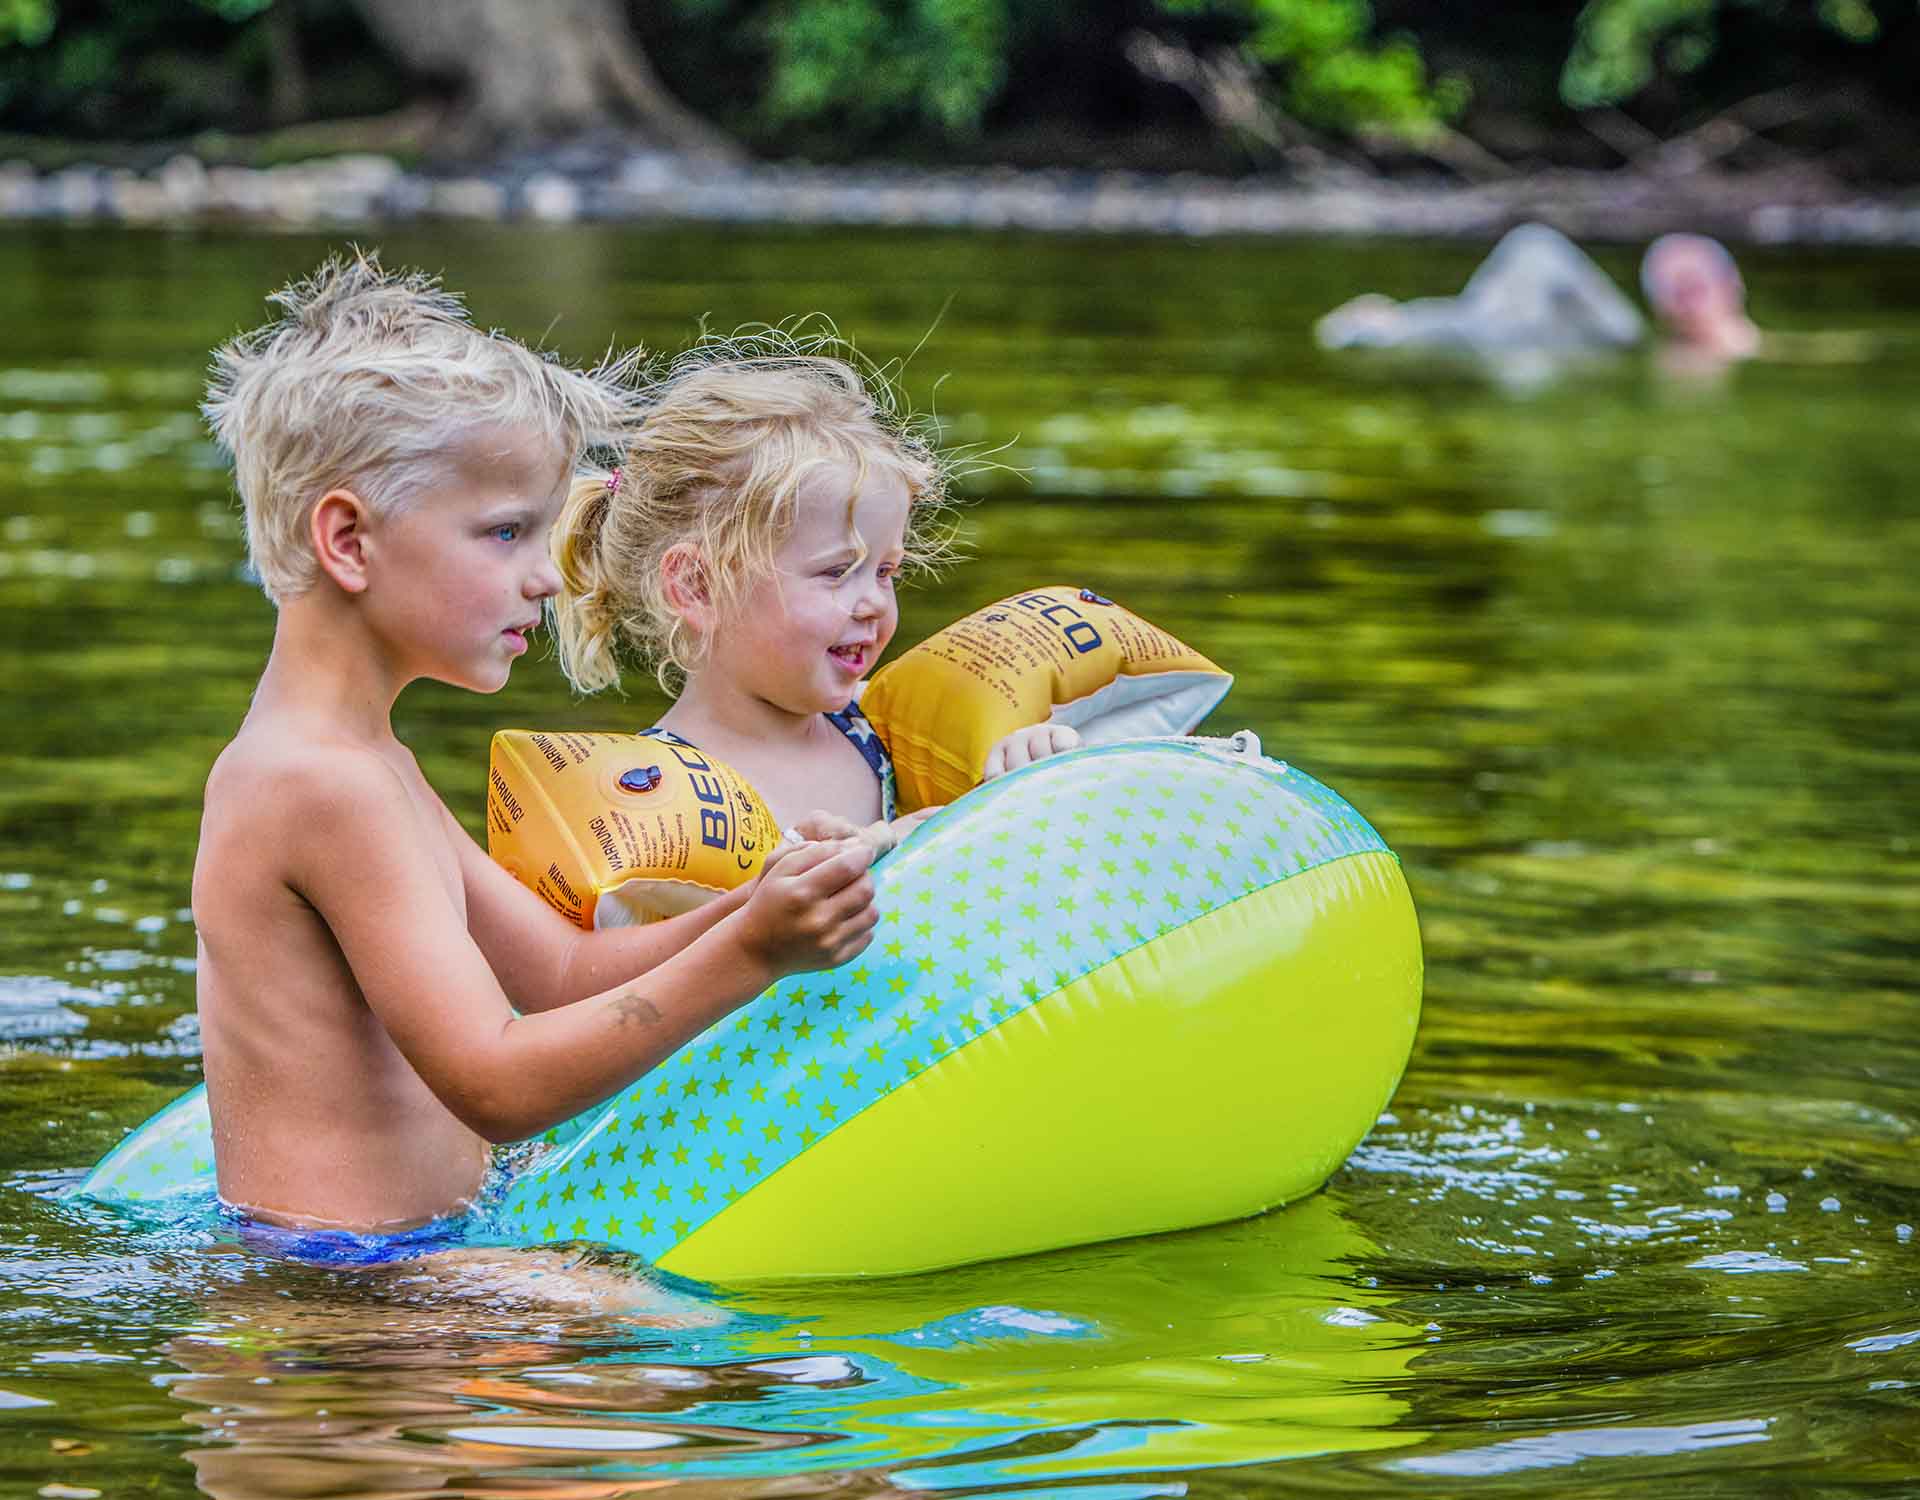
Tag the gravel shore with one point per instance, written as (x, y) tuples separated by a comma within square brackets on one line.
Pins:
[(592, 187)]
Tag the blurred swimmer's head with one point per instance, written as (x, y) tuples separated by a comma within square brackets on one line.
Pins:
[(1694, 288)]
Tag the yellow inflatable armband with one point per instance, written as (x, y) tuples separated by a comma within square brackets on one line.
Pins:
[(1058, 654), (614, 829)]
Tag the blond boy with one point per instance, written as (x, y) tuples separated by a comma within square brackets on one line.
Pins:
[(361, 960)]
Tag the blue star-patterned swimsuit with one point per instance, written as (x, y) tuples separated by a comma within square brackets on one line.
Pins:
[(856, 727)]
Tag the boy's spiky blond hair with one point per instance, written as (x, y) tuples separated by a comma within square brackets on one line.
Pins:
[(729, 432), (362, 382)]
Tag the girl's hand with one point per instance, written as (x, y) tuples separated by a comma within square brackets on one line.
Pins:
[(813, 908), (899, 828), (819, 828), (1024, 746), (816, 826)]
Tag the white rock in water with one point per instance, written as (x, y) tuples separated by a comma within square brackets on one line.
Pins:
[(75, 193), (183, 183), (469, 198), (551, 199), (19, 189)]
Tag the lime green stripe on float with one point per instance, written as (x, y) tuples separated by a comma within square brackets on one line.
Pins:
[(1272, 1031)]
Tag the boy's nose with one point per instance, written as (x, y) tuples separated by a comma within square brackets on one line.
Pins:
[(544, 581)]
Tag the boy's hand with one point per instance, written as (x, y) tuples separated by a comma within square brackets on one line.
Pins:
[(1024, 746), (813, 908)]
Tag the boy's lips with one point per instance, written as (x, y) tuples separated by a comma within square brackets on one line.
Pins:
[(853, 657)]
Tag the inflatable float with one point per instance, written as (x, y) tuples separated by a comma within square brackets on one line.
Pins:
[(1137, 987)]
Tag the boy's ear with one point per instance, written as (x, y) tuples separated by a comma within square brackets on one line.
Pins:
[(338, 530), (684, 580)]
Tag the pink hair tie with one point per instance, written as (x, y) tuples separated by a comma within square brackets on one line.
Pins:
[(613, 484)]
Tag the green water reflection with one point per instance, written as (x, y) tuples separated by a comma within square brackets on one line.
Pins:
[(1624, 666)]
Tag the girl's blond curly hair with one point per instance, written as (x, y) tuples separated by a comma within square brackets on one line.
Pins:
[(729, 431)]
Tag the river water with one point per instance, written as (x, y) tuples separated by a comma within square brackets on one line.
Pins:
[(1620, 658)]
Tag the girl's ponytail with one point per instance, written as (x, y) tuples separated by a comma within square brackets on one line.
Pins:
[(586, 614)]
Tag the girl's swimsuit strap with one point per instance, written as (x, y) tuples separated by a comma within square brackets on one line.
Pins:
[(866, 739)]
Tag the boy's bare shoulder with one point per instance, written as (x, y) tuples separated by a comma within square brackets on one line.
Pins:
[(294, 767), (309, 786)]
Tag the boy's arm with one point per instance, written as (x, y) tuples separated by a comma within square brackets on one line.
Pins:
[(365, 865), (540, 958)]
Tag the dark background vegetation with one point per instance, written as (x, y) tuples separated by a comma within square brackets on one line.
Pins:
[(1306, 87)]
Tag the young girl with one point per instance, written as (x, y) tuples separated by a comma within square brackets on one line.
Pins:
[(748, 546)]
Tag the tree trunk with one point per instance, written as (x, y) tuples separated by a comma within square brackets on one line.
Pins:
[(539, 70), (286, 69)]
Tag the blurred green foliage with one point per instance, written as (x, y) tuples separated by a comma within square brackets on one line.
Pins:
[(870, 64), (1036, 81), (25, 22), (875, 64), (944, 59), (28, 23), (1620, 45), (153, 69), (1328, 72)]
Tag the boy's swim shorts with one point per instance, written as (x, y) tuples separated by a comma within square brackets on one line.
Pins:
[(343, 1247)]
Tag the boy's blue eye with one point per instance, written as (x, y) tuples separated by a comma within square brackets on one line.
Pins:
[(507, 533)]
